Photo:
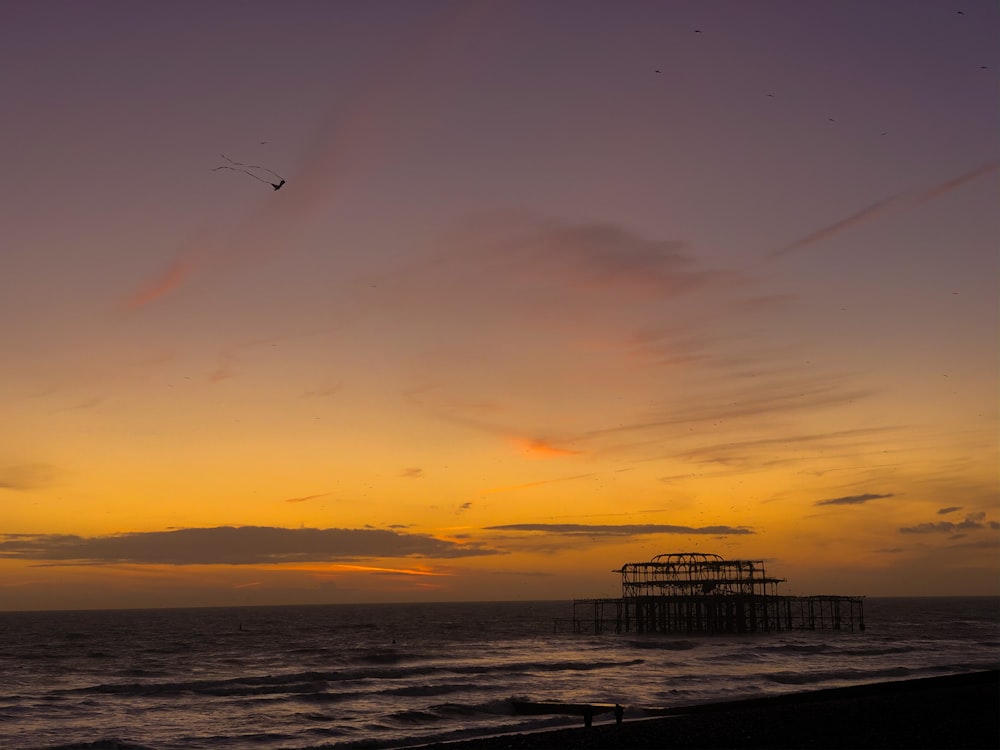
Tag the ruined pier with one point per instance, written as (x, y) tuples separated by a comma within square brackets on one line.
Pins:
[(694, 592)]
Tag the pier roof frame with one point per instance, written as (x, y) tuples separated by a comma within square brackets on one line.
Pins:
[(696, 574)]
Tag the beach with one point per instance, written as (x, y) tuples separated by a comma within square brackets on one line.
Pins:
[(953, 711)]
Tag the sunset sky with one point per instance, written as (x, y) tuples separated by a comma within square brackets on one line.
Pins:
[(550, 287)]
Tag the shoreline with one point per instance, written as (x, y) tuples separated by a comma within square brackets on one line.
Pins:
[(949, 711)]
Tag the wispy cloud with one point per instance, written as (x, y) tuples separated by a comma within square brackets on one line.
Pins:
[(26, 477), (305, 498), (528, 485), (949, 509), (382, 570), (542, 448), (532, 250), (877, 208), (229, 545), (743, 454), (163, 283), (327, 389), (897, 202), (771, 397), (605, 255), (759, 396), (853, 499), (616, 530)]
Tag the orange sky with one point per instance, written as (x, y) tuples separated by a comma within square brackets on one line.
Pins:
[(544, 293)]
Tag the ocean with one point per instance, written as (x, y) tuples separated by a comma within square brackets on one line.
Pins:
[(396, 675)]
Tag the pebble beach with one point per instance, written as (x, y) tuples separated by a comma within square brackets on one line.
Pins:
[(953, 711)]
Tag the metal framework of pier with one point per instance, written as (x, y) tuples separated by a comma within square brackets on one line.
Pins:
[(694, 592)]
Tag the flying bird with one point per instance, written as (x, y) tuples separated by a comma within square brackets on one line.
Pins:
[(277, 186)]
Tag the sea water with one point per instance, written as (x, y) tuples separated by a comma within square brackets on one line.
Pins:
[(392, 675)]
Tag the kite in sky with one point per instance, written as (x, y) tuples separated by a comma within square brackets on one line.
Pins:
[(236, 166)]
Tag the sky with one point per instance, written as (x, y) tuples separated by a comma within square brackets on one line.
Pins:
[(549, 288)]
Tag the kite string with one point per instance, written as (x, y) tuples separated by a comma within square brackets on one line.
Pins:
[(234, 169), (252, 166)]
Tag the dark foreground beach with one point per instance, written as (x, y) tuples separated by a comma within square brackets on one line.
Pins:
[(956, 711)]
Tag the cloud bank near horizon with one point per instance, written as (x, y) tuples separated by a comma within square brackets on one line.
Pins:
[(972, 522), (232, 545), (618, 530)]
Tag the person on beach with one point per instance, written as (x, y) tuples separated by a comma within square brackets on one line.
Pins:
[(588, 716), (619, 713)]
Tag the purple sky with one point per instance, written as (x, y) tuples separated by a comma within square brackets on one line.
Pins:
[(656, 269)]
